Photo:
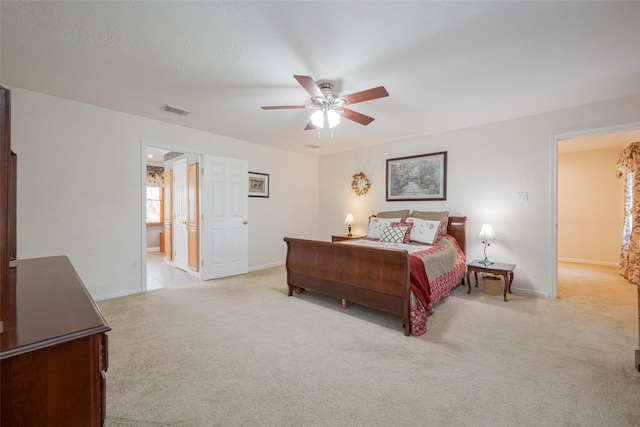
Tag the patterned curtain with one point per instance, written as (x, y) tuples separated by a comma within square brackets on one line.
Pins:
[(628, 166), (154, 176)]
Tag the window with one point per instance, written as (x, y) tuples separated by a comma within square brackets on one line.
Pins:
[(155, 206)]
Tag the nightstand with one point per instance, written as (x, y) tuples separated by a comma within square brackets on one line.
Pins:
[(497, 269), (341, 237)]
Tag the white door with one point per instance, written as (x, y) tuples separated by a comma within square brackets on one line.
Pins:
[(224, 221), (180, 206)]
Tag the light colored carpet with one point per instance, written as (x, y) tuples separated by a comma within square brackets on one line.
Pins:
[(239, 352)]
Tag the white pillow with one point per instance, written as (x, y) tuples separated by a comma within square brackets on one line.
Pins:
[(377, 226), (424, 230)]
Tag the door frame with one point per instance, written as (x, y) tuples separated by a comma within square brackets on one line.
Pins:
[(553, 191), (143, 202)]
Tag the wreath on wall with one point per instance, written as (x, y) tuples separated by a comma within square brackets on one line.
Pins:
[(360, 184)]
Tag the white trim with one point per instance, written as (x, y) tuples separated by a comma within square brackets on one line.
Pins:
[(143, 216), (597, 131), (156, 249), (538, 294), (553, 218), (265, 266), (116, 295), (553, 214)]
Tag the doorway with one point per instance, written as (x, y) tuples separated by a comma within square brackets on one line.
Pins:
[(218, 214), (587, 198)]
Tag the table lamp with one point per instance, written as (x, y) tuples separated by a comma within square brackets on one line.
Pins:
[(486, 234), (349, 220)]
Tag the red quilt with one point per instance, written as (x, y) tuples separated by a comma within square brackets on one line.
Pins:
[(427, 294)]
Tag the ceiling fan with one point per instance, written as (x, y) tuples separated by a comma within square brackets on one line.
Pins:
[(329, 106)]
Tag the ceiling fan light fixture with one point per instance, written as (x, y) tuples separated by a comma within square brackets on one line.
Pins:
[(333, 117), (317, 119), (330, 117)]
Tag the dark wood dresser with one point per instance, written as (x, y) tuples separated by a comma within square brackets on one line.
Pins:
[(53, 354)]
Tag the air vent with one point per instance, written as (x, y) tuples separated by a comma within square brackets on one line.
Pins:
[(175, 110), (312, 146)]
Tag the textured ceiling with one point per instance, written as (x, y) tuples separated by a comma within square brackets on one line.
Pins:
[(446, 65)]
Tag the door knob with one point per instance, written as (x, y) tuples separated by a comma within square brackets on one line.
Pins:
[(245, 222)]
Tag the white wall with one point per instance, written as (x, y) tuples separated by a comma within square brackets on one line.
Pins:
[(487, 165), (80, 188), (590, 207)]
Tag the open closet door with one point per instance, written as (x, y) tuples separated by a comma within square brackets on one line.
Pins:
[(224, 220)]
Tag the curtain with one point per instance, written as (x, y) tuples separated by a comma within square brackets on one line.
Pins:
[(154, 176), (628, 166)]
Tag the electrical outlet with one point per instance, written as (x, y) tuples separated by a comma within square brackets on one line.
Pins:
[(522, 196), (134, 264)]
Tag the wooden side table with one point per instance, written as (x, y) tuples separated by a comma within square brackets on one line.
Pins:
[(497, 268), (341, 237)]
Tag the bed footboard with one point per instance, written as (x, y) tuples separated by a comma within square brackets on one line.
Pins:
[(376, 278)]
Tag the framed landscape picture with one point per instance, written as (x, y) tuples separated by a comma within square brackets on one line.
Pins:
[(258, 184), (422, 177)]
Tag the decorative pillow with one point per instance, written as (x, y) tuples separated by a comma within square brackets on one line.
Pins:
[(393, 214), (394, 234), (423, 230), (443, 217), (407, 235), (377, 225)]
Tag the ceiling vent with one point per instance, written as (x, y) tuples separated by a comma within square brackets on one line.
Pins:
[(312, 146), (175, 110)]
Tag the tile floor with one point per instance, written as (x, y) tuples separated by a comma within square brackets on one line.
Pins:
[(162, 275)]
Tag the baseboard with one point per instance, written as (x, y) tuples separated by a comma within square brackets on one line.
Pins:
[(540, 294), (117, 295), (589, 261), (156, 249), (265, 266)]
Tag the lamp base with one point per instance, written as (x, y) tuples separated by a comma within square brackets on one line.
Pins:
[(349, 232), (485, 262)]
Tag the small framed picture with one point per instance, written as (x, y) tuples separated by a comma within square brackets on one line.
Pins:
[(258, 184)]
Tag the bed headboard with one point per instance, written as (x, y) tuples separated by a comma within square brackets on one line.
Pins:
[(457, 227)]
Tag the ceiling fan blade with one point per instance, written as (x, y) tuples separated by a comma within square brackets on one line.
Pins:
[(283, 107), (356, 117), (310, 86), (310, 126), (366, 95)]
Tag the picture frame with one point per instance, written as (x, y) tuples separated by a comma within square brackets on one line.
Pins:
[(258, 184), (421, 177)]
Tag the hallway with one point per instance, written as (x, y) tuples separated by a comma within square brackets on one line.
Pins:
[(161, 275)]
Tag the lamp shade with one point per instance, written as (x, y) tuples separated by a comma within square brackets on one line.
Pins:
[(333, 118), (317, 119), (349, 219), (330, 117), (486, 233)]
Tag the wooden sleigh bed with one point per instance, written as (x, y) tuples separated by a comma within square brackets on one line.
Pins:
[(372, 277)]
